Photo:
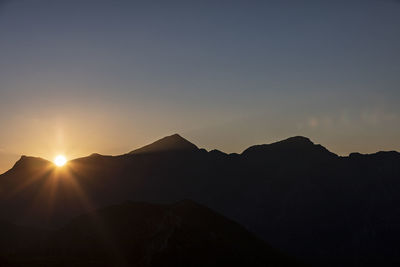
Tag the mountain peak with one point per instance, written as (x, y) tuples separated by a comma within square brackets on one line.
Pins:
[(297, 145), (298, 140), (27, 162), (173, 142)]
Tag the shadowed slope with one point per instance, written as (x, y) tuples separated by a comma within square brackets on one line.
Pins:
[(143, 234)]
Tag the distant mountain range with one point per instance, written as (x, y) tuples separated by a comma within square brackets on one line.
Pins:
[(295, 195)]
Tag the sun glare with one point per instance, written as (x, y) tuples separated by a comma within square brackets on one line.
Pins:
[(60, 160)]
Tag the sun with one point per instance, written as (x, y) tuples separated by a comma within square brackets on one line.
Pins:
[(60, 160)]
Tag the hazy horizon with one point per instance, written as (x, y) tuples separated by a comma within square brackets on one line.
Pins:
[(13, 158), (83, 77)]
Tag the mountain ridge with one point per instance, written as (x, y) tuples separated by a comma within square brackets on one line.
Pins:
[(184, 145), (294, 194)]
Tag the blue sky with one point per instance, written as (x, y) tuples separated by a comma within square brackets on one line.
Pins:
[(78, 77)]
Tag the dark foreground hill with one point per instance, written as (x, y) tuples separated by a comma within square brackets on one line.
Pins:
[(294, 194), (142, 234)]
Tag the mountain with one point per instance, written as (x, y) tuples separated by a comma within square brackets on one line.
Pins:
[(174, 142), (19, 238), (142, 234), (296, 147), (294, 194)]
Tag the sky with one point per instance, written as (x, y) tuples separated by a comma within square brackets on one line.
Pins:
[(79, 77)]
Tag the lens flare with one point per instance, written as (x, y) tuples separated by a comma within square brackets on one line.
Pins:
[(60, 160)]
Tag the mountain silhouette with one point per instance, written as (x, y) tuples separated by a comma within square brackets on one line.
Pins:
[(295, 195), (174, 142), (297, 146), (142, 234)]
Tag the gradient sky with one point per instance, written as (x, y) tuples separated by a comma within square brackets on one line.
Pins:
[(78, 77)]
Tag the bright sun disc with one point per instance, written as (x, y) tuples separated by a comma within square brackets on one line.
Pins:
[(60, 160)]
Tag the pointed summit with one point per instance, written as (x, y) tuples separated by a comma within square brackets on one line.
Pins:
[(173, 142)]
